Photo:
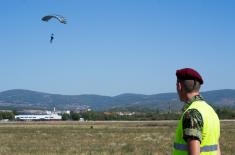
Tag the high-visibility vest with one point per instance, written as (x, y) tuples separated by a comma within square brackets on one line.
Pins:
[(210, 131)]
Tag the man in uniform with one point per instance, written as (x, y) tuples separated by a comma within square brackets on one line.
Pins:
[(52, 38), (198, 129)]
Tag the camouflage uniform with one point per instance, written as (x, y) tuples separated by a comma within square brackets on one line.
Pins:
[(192, 121)]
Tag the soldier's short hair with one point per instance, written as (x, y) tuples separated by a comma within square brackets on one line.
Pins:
[(191, 85)]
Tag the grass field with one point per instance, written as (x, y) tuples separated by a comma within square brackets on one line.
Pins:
[(97, 138)]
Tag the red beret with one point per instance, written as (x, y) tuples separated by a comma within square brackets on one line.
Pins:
[(189, 74)]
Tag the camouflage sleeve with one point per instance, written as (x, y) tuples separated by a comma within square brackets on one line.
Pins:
[(192, 125)]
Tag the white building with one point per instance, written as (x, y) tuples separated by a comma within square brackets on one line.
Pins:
[(81, 119), (126, 113), (38, 117)]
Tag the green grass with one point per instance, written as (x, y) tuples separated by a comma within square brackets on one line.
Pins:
[(97, 138)]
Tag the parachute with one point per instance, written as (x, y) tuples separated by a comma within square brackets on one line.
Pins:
[(60, 18)]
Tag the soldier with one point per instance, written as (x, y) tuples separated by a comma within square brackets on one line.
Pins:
[(52, 38), (198, 129)]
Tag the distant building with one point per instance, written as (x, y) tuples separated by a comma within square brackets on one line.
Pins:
[(81, 119), (38, 117), (125, 113), (82, 108), (67, 112)]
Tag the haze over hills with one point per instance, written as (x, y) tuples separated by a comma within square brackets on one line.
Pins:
[(27, 99)]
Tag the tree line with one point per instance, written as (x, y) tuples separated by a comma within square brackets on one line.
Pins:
[(101, 116), (223, 113), (7, 115), (226, 113)]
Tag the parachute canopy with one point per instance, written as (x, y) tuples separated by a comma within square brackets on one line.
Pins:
[(58, 17)]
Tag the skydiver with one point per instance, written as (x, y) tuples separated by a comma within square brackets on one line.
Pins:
[(52, 37)]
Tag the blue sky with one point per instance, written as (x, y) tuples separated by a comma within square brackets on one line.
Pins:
[(111, 47)]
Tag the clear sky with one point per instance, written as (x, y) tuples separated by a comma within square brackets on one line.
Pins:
[(111, 47)]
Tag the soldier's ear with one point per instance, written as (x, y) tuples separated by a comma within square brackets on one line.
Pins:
[(179, 86)]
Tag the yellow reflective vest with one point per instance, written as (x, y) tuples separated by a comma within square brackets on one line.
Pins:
[(210, 131)]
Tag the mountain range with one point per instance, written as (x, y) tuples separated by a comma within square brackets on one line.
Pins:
[(27, 99)]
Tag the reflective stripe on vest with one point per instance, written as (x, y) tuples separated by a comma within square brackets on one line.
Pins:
[(184, 147)]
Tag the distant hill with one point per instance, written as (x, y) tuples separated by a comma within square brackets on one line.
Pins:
[(27, 99)]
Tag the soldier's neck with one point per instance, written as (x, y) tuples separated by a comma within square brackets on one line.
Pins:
[(189, 96)]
